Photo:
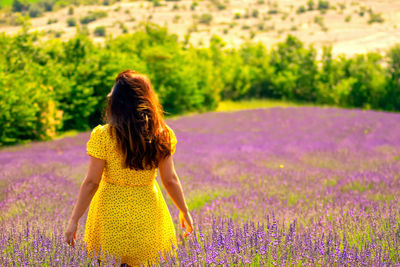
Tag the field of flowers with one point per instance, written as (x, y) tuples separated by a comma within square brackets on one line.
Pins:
[(267, 187)]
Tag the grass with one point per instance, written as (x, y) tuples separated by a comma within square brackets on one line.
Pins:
[(199, 200), (230, 105), (69, 133), (9, 2)]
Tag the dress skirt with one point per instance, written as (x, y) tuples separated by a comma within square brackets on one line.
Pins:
[(132, 223)]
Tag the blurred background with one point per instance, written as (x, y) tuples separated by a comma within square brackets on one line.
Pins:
[(59, 58)]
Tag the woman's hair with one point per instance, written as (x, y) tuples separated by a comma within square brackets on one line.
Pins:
[(135, 116)]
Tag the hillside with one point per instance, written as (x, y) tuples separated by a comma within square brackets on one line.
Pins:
[(350, 26)]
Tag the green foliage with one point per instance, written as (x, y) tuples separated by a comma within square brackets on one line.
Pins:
[(47, 5), (255, 13), (33, 8), (71, 22), (295, 70), (368, 88), (50, 86), (362, 11), (35, 11), (92, 16), (20, 5), (70, 10), (156, 3), (323, 5), (218, 4), (194, 5), (320, 21), (375, 18), (51, 21), (123, 28), (100, 31), (310, 5), (273, 11), (28, 110), (301, 9), (392, 98), (205, 18)]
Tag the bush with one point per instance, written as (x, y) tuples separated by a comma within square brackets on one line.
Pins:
[(310, 5), (100, 31), (47, 5), (323, 5), (301, 9), (319, 20), (205, 18), (51, 21), (156, 3), (20, 5), (92, 16), (273, 11), (375, 18), (71, 22), (194, 5), (123, 28), (35, 11), (362, 11), (218, 4), (255, 13)]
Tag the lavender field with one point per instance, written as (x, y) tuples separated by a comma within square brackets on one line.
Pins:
[(303, 186)]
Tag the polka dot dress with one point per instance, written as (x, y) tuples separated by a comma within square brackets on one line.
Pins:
[(128, 216)]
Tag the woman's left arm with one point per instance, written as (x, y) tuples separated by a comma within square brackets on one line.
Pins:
[(87, 190)]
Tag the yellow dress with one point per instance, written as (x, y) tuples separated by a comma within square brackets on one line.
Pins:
[(128, 216)]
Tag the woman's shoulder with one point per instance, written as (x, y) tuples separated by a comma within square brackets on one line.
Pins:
[(171, 132), (101, 129)]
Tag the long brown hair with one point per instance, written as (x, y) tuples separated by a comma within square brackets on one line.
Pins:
[(135, 116)]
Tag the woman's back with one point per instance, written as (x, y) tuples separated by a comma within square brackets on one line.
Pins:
[(128, 206), (102, 145)]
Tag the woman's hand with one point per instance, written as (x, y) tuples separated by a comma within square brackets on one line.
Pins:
[(186, 221), (70, 232)]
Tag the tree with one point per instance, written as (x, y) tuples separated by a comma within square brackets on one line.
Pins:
[(20, 5)]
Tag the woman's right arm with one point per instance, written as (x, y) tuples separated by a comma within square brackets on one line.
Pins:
[(173, 186)]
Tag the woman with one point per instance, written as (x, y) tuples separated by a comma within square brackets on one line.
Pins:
[(128, 216)]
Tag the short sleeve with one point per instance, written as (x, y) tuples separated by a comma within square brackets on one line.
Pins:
[(96, 146), (173, 140)]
